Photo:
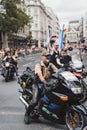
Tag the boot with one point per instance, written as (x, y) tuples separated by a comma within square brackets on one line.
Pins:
[(27, 114)]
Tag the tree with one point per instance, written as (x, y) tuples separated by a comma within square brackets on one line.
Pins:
[(13, 19), (29, 37)]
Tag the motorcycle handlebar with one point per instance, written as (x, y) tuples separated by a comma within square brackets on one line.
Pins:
[(49, 87)]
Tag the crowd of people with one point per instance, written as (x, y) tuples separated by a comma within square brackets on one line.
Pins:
[(19, 52)]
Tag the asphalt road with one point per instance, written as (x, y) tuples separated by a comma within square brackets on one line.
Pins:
[(12, 110)]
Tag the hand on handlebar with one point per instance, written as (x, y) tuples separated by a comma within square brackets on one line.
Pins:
[(62, 65), (48, 86)]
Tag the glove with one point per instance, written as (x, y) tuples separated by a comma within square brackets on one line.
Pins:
[(62, 65), (46, 84)]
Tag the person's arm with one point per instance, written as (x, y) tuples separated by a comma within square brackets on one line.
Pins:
[(54, 68), (14, 58), (4, 58), (58, 62), (38, 72), (70, 60)]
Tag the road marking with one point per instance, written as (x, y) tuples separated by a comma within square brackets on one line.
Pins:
[(27, 64), (47, 128), (11, 113)]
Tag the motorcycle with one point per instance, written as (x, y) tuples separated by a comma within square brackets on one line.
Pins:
[(77, 68), (8, 70), (61, 101)]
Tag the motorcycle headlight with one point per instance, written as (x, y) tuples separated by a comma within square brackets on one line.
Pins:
[(78, 69), (76, 90), (7, 64)]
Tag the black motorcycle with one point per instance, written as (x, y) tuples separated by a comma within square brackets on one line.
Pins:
[(61, 102), (77, 68), (8, 71)]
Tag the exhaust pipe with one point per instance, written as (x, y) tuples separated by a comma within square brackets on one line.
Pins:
[(23, 101)]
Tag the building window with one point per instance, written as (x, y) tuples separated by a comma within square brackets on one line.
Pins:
[(35, 0), (36, 17), (35, 10), (29, 10), (36, 34), (36, 25)]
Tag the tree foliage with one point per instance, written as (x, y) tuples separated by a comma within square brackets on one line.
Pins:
[(14, 18)]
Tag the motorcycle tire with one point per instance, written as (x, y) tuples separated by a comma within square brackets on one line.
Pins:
[(32, 115), (84, 93), (75, 120), (12, 76), (6, 76)]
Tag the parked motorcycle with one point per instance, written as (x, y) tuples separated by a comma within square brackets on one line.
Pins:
[(61, 102), (8, 70)]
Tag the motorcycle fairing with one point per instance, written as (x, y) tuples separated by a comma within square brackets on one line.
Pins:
[(53, 111), (78, 74), (69, 76), (80, 108), (50, 104)]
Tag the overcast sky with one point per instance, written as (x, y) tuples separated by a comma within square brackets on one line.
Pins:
[(67, 10)]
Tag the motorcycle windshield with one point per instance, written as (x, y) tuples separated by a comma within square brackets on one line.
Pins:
[(69, 76)]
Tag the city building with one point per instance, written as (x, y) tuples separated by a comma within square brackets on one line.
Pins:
[(23, 32), (45, 22), (85, 27), (73, 31)]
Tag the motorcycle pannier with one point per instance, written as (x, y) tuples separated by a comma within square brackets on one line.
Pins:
[(27, 78)]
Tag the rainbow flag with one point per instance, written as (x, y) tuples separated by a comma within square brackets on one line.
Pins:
[(62, 38), (49, 33)]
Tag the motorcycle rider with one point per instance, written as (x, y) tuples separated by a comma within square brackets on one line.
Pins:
[(43, 71), (11, 59)]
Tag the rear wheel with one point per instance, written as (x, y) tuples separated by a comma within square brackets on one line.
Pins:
[(75, 120)]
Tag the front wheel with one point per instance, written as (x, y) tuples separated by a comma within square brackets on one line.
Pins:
[(84, 86), (75, 120), (6, 76), (29, 116)]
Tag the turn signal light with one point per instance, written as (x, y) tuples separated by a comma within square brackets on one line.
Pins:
[(64, 98)]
